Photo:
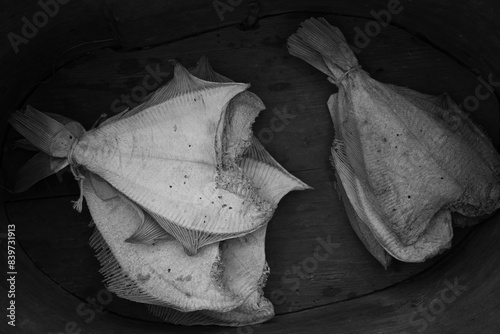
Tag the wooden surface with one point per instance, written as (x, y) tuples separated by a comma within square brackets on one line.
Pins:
[(347, 289)]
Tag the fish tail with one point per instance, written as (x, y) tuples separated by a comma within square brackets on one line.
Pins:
[(324, 47), (43, 131), (36, 169)]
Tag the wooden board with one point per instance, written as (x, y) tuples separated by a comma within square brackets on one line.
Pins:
[(89, 86)]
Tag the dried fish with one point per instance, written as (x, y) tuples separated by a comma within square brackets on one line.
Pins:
[(174, 156), (141, 260), (405, 160)]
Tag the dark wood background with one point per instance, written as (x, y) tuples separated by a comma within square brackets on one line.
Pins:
[(427, 50)]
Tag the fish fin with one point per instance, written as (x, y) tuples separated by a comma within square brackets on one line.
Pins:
[(323, 46), (115, 118), (362, 230), (269, 177), (42, 131), (115, 278), (37, 168), (256, 309), (149, 232), (204, 71), (173, 316), (182, 83), (25, 144), (193, 240)]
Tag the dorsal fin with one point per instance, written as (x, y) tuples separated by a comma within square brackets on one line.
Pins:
[(204, 71), (149, 232)]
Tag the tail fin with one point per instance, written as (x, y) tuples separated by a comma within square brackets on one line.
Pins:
[(49, 135), (323, 46), (39, 167)]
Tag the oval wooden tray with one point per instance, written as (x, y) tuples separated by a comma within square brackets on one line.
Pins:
[(344, 291)]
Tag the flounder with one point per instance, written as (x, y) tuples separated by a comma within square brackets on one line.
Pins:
[(175, 156), (404, 160)]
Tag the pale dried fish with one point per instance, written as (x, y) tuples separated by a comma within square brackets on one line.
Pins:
[(405, 160), (174, 156)]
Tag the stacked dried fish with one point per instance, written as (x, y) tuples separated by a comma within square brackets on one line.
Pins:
[(404, 160), (195, 254)]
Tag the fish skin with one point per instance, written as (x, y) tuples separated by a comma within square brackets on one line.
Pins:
[(131, 154), (174, 278), (407, 159)]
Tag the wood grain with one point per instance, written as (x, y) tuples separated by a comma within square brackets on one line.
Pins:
[(88, 87), (348, 292)]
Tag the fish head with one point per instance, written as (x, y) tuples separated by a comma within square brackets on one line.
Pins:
[(61, 143)]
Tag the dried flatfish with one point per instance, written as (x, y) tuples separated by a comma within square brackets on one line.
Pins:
[(405, 160), (244, 261), (174, 156), (162, 274)]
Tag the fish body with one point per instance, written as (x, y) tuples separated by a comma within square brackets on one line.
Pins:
[(176, 156), (405, 160)]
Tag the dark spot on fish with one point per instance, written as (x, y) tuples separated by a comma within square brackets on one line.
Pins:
[(168, 269), (143, 278), (279, 86), (220, 197), (378, 151), (170, 186), (175, 128), (189, 145), (188, 295), (224, 205), (185, 176), (352, 294), (230, 208), (409, 196), (195, 99), (384, 140)]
